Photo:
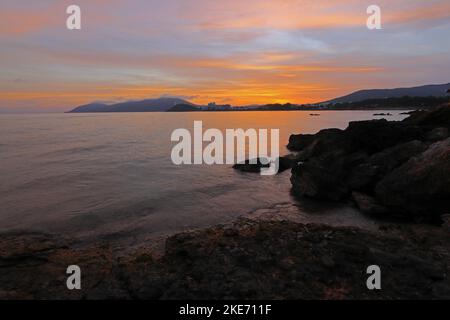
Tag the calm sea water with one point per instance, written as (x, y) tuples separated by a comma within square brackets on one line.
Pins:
[(109, 177)]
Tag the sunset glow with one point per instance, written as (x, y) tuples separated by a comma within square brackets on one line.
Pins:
[(236, 52)]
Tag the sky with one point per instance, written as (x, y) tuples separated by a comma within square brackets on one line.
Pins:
[(227, 51)]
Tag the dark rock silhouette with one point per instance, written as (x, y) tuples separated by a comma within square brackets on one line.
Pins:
[(255, 165), (400, 168), (421, 186)]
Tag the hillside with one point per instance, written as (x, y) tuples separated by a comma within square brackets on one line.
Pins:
[(439, 90), (148, 105), (184, 108)]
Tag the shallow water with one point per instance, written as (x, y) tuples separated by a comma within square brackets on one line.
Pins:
[(110, 177)]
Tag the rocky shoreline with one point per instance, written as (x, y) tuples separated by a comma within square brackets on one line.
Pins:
[(247, 260), (388, 169)]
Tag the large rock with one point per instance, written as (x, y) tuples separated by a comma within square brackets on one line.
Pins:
[(324, 178), (387, 163), (439, 117), (366, 175), (361, 136), (420, 188), (315, 181), (437, 134), (376, 135), (298, 142)]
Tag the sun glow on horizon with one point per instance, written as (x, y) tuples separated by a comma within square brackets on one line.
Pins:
[(230, 52)]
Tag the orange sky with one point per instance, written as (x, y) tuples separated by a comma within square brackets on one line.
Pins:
[(238, 52)]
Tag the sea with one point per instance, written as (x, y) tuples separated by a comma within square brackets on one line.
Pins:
[(109, 177)]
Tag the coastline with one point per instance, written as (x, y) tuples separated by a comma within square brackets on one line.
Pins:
[(257, 259), (248, 260)]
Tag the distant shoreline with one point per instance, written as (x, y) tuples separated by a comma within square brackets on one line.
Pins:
[(252, 110)]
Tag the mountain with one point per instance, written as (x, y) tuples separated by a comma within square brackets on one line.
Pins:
[(148, 105), (439, 90), (184, 108)]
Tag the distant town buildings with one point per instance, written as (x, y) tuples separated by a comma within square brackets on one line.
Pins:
[(212, 106)]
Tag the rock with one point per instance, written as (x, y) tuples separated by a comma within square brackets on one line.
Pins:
[(437, 134), (298, 142), (316, 181), (34, 266), (368, 204), (376, 135), (367, 158), (420, 188), (446, 221), (284, 163), (267, 261), (439, 117), (328, 141), (328, 261), (317, 143), (262, 260), (252, 165), (365, 176)]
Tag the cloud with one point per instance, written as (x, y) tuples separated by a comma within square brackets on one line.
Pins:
[(243, 52)]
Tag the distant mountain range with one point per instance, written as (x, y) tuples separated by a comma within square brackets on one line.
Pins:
[(439, 90), (376, 98), (148, 105)]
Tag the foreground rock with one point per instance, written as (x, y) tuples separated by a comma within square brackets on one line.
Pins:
[(255, 165), (396, 168), (249, 260), (421, 186)]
